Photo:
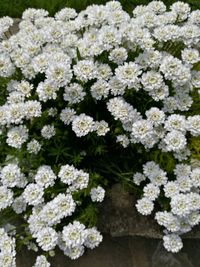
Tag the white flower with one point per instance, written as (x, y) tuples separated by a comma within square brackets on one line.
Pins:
[(19, 205), (6, 197), (193, 218), (116, 87), (33, 109), (5, 23), (172, 243), (194, 17), (100, 89), (101, 128), (7, 260), (67, 115), (33, 146), (182, 171), (41, 261), (175, 141), (16, 136), (118, 55), (180, 204), (170, 66), (157, 7), (109, 37), (138, 178), (47, 238), (15, 113), (81, 181), (58, 74), (195, 177), (74, 93), (182, 9), (85, 70), (171, 189), (151, 191), (11, 175), (45, 176), (6, 66), (190, 56), (158, 177), (58, 208), (65, 14), (195, 78), (155, 116), (67, 174), (121, 110), (175, 122), (52, 112), (46, 91), (25, 88), (144, 206), (93, 238), (149, 168), (97, 194), (151, 80), (82, 125), (35, 223), (48, 131), (104, 71), (123, 140), (193, 125), (128, 74), (168, 220), (74, 234), (32, 14), (15, 97), (65, 205), (8, 252), (40, 63), (74, 252), (160, 93), (170, 104), (184, 184), (33, 194), (141, 129)]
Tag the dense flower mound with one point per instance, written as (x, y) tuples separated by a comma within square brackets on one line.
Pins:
[(85, 98)]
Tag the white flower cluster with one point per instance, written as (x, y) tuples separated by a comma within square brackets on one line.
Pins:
[(46, 215), (75, 236), (76, 179), (163, 76), (137, 72), (183, 195), (7, 249), (41, 261)]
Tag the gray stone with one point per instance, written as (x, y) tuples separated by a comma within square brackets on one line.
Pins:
[(119, 217), (124, 252), (13, 29)]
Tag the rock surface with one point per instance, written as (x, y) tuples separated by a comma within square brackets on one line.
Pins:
[(125, 252), (119, 217)]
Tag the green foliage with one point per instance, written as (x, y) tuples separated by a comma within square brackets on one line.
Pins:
[(165, 160), (194, 145)]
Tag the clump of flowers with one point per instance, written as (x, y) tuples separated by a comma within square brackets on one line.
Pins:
[(86, 95)]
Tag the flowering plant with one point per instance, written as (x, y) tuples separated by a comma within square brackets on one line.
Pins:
[(88, 100)]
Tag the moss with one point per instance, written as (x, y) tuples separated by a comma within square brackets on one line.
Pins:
[(194, 145), (165, 160)]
